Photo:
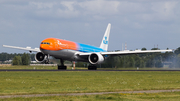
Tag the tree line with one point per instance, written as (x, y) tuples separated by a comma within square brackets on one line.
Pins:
[(17, 59), (21, 60), (172, 59)]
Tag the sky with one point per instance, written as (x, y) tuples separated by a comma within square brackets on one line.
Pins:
[(138, 23)]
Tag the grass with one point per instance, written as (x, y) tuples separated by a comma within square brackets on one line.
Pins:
[(32, 67), (88, 81), (69, 68), (28, 67), (35, 67), (36, 82)]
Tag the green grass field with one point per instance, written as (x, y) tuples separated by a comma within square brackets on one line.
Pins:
[(69, 68), (28, 67), (12, 83), (85, 81), (36, 67)]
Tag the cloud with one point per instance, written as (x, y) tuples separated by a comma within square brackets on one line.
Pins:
[(99, 7), (161, 11), (133, 21), (103, 10), (70, 9), (42, 5)]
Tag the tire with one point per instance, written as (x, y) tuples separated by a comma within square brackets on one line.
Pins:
[(62, 67)]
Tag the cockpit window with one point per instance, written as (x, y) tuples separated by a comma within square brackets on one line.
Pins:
[(45, 43)]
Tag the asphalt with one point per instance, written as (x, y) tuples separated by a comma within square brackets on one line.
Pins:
[(78, 94)]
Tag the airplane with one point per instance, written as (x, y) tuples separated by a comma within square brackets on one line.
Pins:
[(73, 51)]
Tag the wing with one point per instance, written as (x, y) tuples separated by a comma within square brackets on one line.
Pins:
[(127, 52), (22, 48)]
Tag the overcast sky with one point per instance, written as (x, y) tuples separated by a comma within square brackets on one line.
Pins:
[(139, 23)]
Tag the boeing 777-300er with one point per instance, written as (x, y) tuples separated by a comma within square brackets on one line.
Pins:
[(72, 51)]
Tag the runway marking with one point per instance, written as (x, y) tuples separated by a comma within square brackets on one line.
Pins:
[(78, 94)]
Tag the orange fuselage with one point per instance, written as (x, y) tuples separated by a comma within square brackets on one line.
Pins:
[(55, 44)]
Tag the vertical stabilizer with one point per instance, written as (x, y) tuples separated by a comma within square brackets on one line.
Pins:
[(105, 40)]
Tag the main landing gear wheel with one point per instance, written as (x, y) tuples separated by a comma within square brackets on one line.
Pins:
[(92, 68), (62, 67)]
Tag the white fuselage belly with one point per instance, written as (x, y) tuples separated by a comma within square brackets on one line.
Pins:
[(65, 54)]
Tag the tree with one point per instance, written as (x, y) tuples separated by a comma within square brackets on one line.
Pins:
[(155, 49), (158, 64), (17, 60), (25, 59), (144, 48), (131, 62), (4, 57), (32, 57), (177, 51)]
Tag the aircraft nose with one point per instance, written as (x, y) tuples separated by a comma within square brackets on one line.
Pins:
[(41, 46), (44, 45)]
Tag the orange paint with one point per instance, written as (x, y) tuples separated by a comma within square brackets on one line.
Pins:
[(57, 44)]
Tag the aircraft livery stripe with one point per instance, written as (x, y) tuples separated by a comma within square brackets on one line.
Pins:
[(88, 48)]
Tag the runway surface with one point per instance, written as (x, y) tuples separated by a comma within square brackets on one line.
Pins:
[(75, 70), (99, 93)]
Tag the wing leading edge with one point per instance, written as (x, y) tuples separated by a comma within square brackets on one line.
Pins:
[(22, 48), (126, 52)]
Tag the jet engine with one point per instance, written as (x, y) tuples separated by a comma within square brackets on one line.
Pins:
[(96, 58), (40, 57)]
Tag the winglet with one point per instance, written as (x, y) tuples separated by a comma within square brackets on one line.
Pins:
[(105, 40)]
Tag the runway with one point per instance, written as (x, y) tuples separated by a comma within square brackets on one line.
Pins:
[(75, 70)]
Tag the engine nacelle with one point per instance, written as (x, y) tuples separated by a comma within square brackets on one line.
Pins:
[(96, 58), (40, 57)]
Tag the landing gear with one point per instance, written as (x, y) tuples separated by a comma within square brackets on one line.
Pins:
[(91, 67), (46, 61), (62, 67)]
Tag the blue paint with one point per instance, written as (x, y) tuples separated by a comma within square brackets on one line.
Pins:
[(89, 48), (105, 41)]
